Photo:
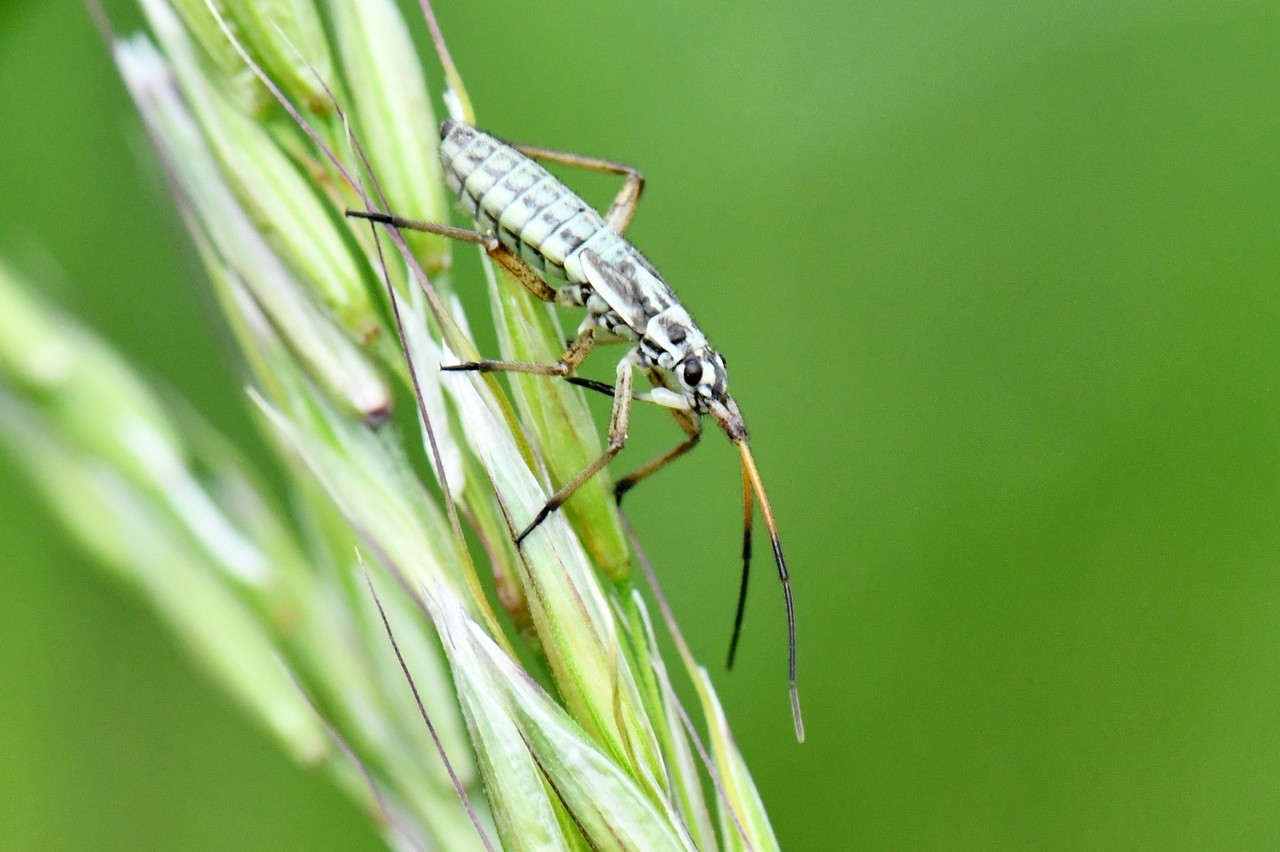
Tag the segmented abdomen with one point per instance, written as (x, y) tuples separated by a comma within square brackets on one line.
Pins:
[(531, 212)]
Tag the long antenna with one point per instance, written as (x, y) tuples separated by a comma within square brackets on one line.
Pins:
[(752, 476), (748, 519)]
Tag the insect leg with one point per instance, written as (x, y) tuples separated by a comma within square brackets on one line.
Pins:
[(692, 427), (591, 384), (624, 205), (508, 259), (689, 422), (573, 357), (618, 421)]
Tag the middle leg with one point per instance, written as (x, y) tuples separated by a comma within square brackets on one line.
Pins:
[(573, 357)]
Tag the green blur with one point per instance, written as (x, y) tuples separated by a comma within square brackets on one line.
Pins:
[(997, 283)]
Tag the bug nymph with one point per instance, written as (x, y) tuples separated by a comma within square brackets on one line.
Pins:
[(563, 251)]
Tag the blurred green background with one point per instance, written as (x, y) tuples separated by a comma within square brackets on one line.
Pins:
[(998, 286)]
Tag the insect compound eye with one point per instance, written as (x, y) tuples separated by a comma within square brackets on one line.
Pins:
[(691, 372)]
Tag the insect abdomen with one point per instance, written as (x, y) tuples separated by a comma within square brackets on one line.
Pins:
[(531, 212)]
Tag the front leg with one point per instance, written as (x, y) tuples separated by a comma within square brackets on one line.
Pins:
[(618, 422), (692, 426), (689, 422)]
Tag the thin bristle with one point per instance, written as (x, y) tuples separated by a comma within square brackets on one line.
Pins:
[(750, 473)]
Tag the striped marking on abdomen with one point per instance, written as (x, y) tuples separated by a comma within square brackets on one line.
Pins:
[(530, 211)]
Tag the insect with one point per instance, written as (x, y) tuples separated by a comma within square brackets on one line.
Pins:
[(564, 251)]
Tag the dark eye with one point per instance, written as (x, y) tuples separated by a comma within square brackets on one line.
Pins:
[(691, 371)]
